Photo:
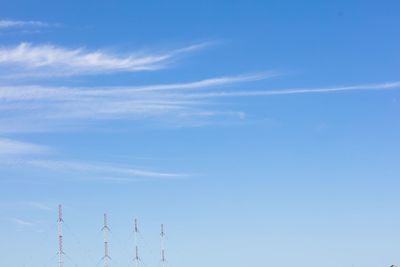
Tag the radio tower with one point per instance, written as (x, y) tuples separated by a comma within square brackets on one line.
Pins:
[(136, 245), (60, 237), (105, 230), (162, 234)]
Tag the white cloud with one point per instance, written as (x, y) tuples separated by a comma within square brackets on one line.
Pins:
[(49, 60), (10, 93), (38, 205), (21, 222), (365, 87), (103, 168), (12, 147), (20, 23), (22, 156), (27, 107), (89, 171)]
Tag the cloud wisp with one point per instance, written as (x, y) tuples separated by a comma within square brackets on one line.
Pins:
[(37, 105), (10, 147), (6, 24), (38, 205), (195, 99), (10, 93), (54, 61), (21, 156), (21, 222), (84, 171), (296, 91)]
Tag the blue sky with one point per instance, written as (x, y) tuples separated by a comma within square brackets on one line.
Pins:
[(261, 133)]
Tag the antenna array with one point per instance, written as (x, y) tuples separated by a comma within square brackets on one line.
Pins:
[(106, 230)]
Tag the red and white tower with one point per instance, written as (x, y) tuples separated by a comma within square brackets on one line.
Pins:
[(162, 235), (136, 231), (106, 231), (60, 237)]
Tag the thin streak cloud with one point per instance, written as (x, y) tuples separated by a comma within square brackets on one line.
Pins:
[(10, 147), (90, 171), (21, 222), (31, 107), (8, 93), (49, 60), (90, 167), (4, 24), (38, 205), (366, 87)]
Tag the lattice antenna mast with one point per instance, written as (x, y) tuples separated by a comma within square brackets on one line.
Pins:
[(136, 231), (106, 231), (162, 235), (60, 237)]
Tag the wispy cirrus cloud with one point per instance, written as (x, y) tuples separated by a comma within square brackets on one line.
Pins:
[(6, 23), (21, 222), (22, 156), (9, 147), (10, 93), (362, 87), (197, 99), (53, 61), (37, 105), (89, 171), (19, 156), (103, 168), (38, 205)]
